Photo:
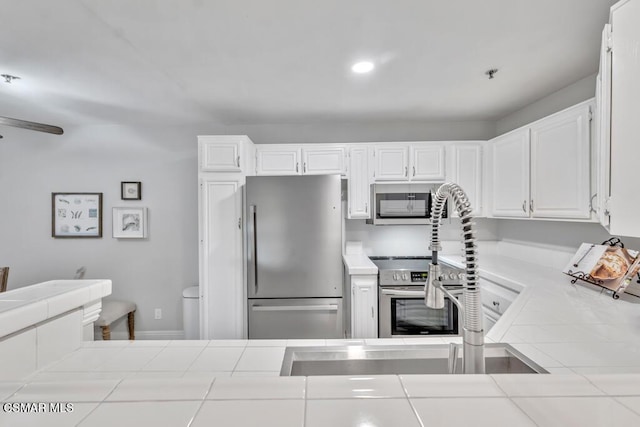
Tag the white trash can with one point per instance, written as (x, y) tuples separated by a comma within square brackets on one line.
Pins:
[(191, 312)]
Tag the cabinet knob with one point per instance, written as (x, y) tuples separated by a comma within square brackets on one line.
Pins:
[(372, 315), (531, 205), (366, 208), (414, 171), (406, 171), (524, 206), (304, 167), (238, 161), (297, 164)]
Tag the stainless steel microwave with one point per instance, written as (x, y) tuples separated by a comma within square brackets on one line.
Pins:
[(401, 204)]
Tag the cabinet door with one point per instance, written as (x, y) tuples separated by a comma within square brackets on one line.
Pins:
[(323, 161), (560, 178), (278, 161), (510, 177), (221, 307), (466, 171), (428, 163), (358, 185), (364, 306), (603, 128), (220, 157), (625, 122), (391, 163)]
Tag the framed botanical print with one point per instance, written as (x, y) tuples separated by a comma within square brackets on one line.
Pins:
[(131, 190), (76, 215), (129, 223)]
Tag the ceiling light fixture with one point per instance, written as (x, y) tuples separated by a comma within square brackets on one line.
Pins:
[(491, 73), (8, 78), (362, 67)]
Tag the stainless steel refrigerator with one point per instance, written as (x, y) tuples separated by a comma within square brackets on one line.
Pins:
[(294, 256)]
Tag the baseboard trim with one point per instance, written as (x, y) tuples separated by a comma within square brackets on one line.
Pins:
[(146, 335)]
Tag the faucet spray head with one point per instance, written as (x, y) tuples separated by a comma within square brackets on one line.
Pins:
[(433, 294)]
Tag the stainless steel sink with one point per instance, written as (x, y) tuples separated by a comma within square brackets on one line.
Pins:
[(408, 359)]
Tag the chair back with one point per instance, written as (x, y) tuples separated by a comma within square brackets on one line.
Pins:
[(4, 278)]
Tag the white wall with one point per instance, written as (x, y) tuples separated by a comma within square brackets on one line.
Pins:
[(154, 271), (150, 272), (566, 97), (565, 234), (361, 132), (411, 240)]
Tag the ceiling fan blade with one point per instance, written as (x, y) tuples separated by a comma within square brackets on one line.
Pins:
[(23, 124)]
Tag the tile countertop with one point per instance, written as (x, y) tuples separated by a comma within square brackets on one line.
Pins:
[(585, 338), (23, 307), (563, 327)]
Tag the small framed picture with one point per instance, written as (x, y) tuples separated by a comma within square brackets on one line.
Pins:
[(76, 215), (129, 223), (131, 190)]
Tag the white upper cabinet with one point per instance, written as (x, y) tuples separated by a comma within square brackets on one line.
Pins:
[(465, 169), (543, 170), (323, 160), (624, 203), (278, 160), (358, 185), (286, 159), (222, 153), (510, 176), (602, 152), (424, 162), (391, 163), (427, 163), (560, 160)]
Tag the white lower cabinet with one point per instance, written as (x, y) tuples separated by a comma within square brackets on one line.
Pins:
[(496, 299), (364, 306), (221, 266)]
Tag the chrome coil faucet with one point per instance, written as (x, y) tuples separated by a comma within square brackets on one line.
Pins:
[(472, 334)]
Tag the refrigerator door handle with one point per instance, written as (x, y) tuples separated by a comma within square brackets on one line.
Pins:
[(322, 307), (253, 249)]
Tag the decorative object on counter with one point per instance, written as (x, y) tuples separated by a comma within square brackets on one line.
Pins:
[(130, 223), (76, 215), (608, 265), (131, 190), (4, 278)]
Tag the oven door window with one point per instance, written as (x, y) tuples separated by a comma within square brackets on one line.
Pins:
[(409, 316)]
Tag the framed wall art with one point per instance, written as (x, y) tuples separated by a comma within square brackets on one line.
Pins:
[(76, 215), (131, 190), (129, 223)]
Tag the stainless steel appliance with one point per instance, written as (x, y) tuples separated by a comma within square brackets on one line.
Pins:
[(401, 204), (401, 308), (294, 256)]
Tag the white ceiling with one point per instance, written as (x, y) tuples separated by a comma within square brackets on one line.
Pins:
[(288, 61)]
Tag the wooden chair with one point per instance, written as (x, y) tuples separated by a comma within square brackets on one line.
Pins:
[(4, 278), (113, 310)]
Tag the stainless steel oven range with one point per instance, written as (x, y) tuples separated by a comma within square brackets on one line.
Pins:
[(401, 308)]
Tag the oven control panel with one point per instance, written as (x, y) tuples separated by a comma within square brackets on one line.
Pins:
[(450, 277), (419, 276)]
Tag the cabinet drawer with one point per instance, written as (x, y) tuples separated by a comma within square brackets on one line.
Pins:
[(496, 297)]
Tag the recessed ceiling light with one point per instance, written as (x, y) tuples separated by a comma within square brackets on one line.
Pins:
[(362, 67)]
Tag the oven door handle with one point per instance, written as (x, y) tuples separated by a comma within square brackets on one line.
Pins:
[(402, 293)]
